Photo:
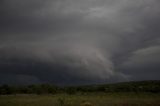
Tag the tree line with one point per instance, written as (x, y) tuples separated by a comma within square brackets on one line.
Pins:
[(143, 86)]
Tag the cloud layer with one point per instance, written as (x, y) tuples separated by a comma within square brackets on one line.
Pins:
[(79, 42)]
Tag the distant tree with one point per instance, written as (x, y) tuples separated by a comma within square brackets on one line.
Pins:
[(5, 89)]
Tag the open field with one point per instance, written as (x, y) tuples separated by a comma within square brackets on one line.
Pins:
[(88, 99)]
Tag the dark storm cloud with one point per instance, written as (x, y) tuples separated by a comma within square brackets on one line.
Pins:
[(143, 63), (79, 41)]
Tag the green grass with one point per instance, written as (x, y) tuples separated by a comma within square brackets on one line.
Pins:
[(92, 99)]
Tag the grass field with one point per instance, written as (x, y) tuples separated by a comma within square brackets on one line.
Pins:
[(92, 99)]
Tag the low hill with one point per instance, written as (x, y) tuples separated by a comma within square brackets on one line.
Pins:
[(134, 86), (139, 86)]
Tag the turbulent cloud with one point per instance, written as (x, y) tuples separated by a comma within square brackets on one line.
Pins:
[(79, 41), (144, 63)]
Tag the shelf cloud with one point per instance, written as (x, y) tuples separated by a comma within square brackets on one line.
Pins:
[(79, 41)]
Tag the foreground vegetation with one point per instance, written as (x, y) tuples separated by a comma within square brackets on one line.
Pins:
[(144, 93), (89, 99)]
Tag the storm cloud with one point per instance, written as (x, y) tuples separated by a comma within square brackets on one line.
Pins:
[(79, 41)]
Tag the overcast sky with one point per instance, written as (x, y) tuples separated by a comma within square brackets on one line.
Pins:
[(79, 41)]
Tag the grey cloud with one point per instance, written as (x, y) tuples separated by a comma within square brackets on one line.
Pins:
[(18, 79), (87, 41), (143, 63)]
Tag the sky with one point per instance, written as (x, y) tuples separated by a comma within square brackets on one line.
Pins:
[(76, 42)]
